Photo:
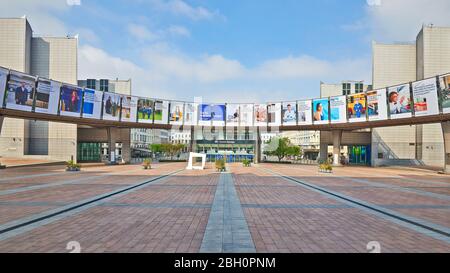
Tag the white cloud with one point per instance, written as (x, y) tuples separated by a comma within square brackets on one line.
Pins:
[(181, 8), (401, 20), (140, 32), (179, 31)]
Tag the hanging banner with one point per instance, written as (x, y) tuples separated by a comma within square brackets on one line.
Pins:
[(304, 112), (129, 108), (233, 114), (92, 103), (425, 97), (111, 106), (274, 114), (190, 113), (320, 111), (356, 107), (145, 110), (161, 112), (176, 113), (444, 87), (246, 115), (261, 114), (70, 102), (338, 109), (20, 91), (399, 99), (377, 105), (47, 96), (3, 78), (212, 114), (289, 113)]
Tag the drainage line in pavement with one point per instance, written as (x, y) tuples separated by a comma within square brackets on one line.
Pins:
[(361, 204), (86, 203)]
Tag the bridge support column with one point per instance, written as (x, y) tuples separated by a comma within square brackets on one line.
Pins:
[(446, 134), (337, 138), (126, 145), (257, 158), (112, 137), (1, 122), (323, 153)]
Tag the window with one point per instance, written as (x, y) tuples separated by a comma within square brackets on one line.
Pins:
[(90, 83), (104, 85), (346, 88), (359, 87)]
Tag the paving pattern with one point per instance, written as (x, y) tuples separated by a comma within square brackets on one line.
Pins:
[(169, 209)]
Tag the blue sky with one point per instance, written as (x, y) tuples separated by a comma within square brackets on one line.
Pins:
[(248, 50)]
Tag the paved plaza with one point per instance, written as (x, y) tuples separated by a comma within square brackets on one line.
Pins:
[(263, 208)]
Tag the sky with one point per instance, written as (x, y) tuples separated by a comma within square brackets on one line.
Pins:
[(224, 51)]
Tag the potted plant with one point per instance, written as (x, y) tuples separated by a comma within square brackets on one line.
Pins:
[(246, 163), (72, 166), (220, 165), (147, 163), (325, 167)]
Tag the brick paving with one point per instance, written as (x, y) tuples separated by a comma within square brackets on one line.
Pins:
[(172, 214)]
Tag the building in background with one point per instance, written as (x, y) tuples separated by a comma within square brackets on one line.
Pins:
[(49, 57), (428, 56)]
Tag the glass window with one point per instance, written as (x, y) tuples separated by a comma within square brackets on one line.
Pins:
[(90, 83), (104, 85)]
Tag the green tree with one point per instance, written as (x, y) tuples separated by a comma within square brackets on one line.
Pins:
[(281, 147)]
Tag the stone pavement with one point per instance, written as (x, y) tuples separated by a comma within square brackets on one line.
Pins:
[(246, 210)]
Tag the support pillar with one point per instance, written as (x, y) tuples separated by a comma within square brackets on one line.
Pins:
[(257, 158), (112, 137), (126, 145), (1, 122), (337, 138), (191, 142), (446, 133), (323, 152)]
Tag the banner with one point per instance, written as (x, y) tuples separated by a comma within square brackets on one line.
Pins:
[(20, 91), (304, 112), (356, 107), (111, 106), (444, 86), (176, 113), (212, 114), (3, 77), (399, 99), (161, 113), (70, 102), (338, 109), (145, 110), (190, 113), (47, 96), (274, 114), (92, 103), (425, 97), (246, 115), (320, 111), (128, 108), (233, 114), (260, 114), (289, 113), (376, 104)]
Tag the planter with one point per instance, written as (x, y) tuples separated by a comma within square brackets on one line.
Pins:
[(325, 171), (72, 169), (147, 167), (2, 167)]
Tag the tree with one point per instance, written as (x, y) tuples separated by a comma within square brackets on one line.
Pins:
[(170, 149), (281, 147)]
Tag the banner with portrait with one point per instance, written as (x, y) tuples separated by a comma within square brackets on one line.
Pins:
[(321, 115), (356, 107), (444, 90), (161, 112), (246, 114), (260, 114), (145, 110), (111, 106), (92, 103), (212, 114), (190, 113), (399, 101), (128, 108), (338, 109), (377, 108), (47, 96), (3, 78), (176, 113), (70, 101), (304, 112), (274, 114), (425, 96), (289, 113), (233, 114), (20, 91)]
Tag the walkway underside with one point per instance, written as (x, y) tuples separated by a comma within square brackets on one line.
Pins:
[(264, 208)]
